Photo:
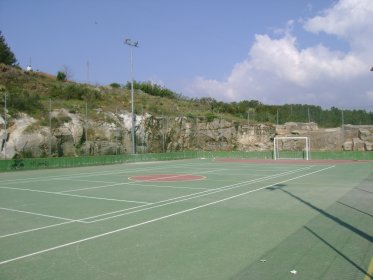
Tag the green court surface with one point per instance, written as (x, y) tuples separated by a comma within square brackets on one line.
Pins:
[(189, 219)]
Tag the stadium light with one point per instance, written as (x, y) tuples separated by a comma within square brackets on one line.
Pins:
[(5, 125), (132, 44), (371, 69)]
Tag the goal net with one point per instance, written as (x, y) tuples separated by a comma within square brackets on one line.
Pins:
[(291, 148)]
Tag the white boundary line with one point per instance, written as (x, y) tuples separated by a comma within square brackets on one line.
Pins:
[(177, 199), (154, 220), (75, 195), (35, 229), (81, 180), (190, 196), (102, 173), (134, 182), (168, 201), (38, 214), (55, 225), (167, 187)]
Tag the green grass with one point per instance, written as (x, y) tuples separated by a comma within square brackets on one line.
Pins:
[(96, 223)]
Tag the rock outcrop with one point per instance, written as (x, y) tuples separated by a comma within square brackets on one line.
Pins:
[(70, 134)]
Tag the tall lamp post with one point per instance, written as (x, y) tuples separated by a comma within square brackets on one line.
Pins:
[(371, 69), (132, 44), (5, 125)]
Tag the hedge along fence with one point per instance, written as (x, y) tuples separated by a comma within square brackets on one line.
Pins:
[(43, 163)]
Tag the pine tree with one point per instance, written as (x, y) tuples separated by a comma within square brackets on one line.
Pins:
[(6, 55)]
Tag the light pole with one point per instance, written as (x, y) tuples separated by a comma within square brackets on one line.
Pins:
[(5, 125), (132, 44)]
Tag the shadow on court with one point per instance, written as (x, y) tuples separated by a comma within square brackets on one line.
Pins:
[(300, 248), (337, 220), (324, 213)]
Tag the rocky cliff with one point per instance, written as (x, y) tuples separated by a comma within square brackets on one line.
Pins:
[(70, 134)]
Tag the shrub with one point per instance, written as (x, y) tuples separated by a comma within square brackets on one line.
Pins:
[(23, 101), (61, 76), (210, 117), (115, 85), (59, 120), (75, 91)]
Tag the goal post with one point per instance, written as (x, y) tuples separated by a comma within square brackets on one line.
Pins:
[(291, 147)]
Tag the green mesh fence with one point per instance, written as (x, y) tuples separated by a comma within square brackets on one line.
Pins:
[(40, 163), (348, 155)]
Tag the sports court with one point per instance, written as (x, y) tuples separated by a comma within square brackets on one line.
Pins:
[(189, 219)]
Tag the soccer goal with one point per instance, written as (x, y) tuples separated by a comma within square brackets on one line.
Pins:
[(291, 148)]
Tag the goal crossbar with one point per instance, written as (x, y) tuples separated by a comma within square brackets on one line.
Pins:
[(305, 140)]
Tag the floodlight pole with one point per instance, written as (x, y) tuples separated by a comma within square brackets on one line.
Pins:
[(50, 127), (5, 125), (131, 43)]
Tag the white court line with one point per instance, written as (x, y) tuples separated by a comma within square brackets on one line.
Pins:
[(170, 187), (36, 229), (154, 220), (189, 196), (87, 181), (195, 195), (75, 195), (38, 214), (94, 173), (136, 182), (55, 225)]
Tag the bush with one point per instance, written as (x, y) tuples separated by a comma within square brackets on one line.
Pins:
[(115, 85), (23, 101), (59, 120), (210, 117), (152, 89), (61, 76), (75, 91)]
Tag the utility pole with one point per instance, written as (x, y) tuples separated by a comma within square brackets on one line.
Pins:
[(132, 44)]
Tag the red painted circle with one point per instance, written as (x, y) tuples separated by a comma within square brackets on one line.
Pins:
[(167, 177)]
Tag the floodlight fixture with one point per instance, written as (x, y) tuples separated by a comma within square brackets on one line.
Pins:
[(131, 43)]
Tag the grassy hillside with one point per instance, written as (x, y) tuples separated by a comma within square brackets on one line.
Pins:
[(31, 92)]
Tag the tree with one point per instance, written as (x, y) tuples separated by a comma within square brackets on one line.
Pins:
[(61, 76), (6, 55)]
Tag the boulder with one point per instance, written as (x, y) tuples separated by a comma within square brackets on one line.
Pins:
[(358, 145), (369, 146), (347, 146), (366, 134)]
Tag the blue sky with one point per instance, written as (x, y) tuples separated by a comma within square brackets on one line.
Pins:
[(289, 51)]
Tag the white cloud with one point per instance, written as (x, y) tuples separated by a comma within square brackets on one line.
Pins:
[(370, 96), (344, 18), (348, 19), (278, 71)]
